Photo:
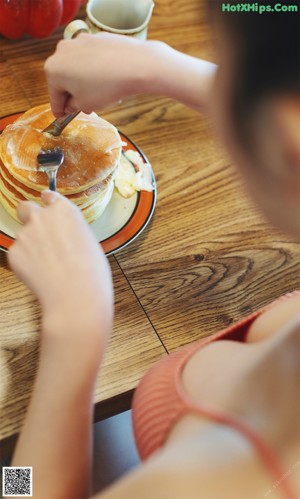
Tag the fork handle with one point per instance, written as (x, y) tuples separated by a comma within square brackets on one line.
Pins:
[(57, 126), (52, 180)]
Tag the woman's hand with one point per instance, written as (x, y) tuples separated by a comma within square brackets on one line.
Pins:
[(58, 258), (91, 72)]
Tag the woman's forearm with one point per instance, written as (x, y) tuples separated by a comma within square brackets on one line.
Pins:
[(56, 436), (178, 76)]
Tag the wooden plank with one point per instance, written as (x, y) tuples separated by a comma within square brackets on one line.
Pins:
[(208, 257), (133, 348), (12, 96)]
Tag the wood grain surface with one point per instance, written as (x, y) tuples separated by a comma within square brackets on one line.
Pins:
[(207, 258)]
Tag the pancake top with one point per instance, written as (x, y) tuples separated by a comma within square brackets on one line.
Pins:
[(92, 149)]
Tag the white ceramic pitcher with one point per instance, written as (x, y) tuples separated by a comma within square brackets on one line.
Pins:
[(125, 17)]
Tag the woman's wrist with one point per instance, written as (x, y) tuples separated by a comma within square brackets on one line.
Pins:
[(149, 73), (82, 335)]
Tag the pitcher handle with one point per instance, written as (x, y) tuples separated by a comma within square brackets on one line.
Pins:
[(74, 28)]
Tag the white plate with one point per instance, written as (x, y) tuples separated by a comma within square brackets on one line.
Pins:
[(122, 221)]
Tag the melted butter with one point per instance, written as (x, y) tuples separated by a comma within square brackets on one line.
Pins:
[(133, 174)]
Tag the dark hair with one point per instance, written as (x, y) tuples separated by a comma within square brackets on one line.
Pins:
[(267, 57)]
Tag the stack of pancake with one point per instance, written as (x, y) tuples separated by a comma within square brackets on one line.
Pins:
[(92, 149)]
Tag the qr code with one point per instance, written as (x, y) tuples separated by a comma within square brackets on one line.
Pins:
[(16, 481)]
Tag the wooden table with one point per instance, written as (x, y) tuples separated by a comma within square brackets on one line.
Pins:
[(206, 259)]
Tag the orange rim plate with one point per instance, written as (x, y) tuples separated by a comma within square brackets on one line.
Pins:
[(120, 224)]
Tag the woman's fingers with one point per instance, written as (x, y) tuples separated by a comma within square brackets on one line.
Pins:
[(58, 99), (49, 197), (71, 105), (26, 209)]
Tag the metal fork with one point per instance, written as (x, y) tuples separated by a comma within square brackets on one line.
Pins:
[(49, 162), (57, 126)]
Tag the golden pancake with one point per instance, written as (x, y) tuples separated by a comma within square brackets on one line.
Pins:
[(92, 207), (33, 195), (92, 150)]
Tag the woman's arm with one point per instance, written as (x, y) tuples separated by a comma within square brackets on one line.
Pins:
[(95, 71), (57, 257), (56, 437)]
